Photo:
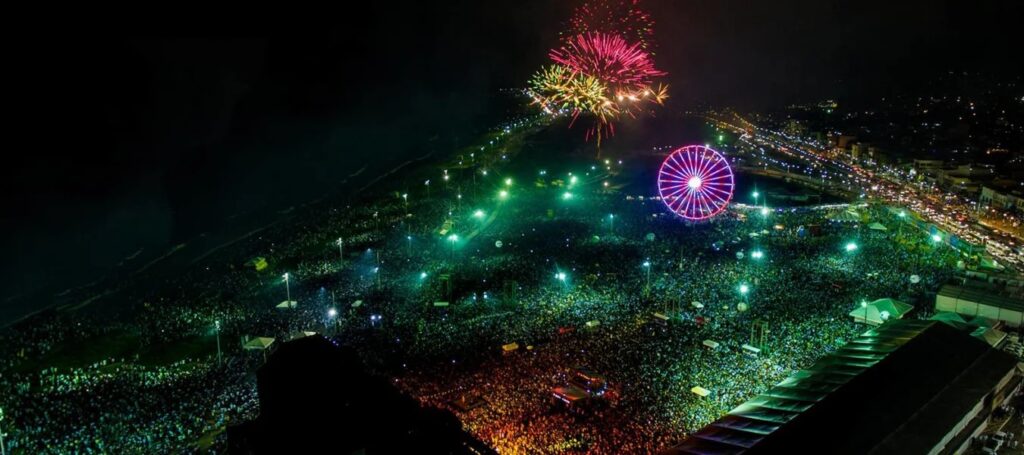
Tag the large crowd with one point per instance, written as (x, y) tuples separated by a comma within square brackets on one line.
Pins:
[(554, 275)]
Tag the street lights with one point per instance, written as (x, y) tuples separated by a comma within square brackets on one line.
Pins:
[(220, 359), (611, 223), (332, 314), (744, 290), (647, 268), (287, 289), (851, 247), (560, 276), (452, 239), (341, 249), (3, 449), (757, 254)]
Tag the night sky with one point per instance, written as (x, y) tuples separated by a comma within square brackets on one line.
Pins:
[(142, 142)]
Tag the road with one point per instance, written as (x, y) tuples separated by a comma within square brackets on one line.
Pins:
[(798, 159)]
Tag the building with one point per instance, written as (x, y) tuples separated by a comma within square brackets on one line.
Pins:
[(926, 166), (981, 301), (1005, 196), (909, 386)]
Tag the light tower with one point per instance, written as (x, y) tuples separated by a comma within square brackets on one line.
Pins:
[(287, 290), (341, 249), (3, 449), (647, 268), (220, 359)]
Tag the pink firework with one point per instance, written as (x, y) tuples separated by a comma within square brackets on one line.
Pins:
[(695, 182), (608, 58), (617, 17)]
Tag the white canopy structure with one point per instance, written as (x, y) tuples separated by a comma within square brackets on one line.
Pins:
[(879, 311), (258, 343)]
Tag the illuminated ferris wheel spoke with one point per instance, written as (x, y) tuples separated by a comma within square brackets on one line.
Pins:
[(721, 195), (688, 202), (720, 172), (703, 164), (704, 207), (676, 168)]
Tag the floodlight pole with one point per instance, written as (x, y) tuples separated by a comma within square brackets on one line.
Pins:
[(3, 449), (220, 358), (341, 250)]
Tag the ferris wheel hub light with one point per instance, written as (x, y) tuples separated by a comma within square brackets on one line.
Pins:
[(694, 182)]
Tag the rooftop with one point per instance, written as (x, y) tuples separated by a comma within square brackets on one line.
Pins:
[(897, 388)]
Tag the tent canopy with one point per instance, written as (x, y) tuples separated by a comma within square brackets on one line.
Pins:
[(994, 337), (845, 216), (949, 317), (570, 394), (258, 343), (982, 321), (893, 306), (881, 310), (876, 226)]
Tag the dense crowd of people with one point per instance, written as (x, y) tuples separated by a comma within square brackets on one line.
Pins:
[(571, 285)]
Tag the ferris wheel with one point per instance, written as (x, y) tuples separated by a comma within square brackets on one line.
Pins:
[(695, 182)]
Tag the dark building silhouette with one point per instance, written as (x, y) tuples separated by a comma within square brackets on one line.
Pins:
[(316, 397)]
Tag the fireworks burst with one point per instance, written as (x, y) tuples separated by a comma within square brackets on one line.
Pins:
[(609, 58), (618, 17), (558, 89), (597, 72)]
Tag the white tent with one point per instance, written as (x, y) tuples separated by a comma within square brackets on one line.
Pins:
[(879, 311), (286, 304), (258, 343), (994, 337)]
